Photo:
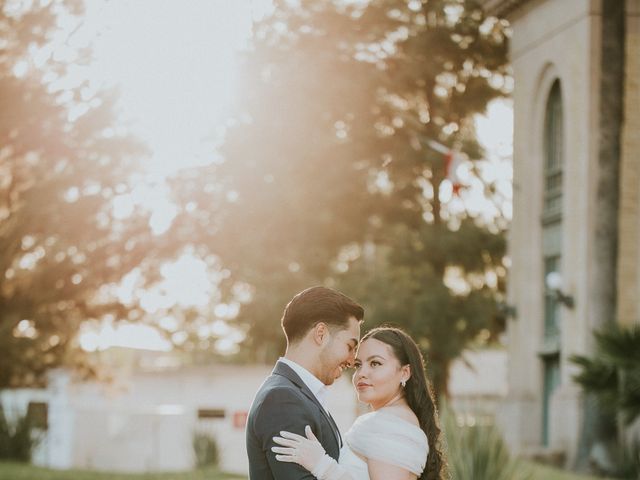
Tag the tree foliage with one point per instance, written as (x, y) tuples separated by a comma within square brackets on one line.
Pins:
[(329, 157), (328, 177), (62, 163)]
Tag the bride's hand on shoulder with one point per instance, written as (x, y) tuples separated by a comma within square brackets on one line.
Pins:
[(297, 449)]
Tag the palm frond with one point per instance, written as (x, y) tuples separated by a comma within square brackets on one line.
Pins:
[(613, 372), (619, 345), (595, 376)]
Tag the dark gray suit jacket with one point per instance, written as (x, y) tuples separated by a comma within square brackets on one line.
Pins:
[(284, 402)]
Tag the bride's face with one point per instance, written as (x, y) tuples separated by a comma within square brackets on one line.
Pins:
[(378, 373)]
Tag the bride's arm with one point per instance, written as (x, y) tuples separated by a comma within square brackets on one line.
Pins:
[(383, 471), (309, 453)]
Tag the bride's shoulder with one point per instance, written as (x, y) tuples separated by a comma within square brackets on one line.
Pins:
[(389, 436), (402, 412), (388, 419)]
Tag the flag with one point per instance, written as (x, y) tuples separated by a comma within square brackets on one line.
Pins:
[(452, 160)]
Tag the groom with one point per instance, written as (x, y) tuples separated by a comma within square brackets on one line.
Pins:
[(322, 327)]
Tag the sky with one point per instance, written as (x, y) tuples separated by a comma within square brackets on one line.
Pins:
[(174, 65)]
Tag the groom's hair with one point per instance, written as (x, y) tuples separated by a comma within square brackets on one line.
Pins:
[(315, 305)]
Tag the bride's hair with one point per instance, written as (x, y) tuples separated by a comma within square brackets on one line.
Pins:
[(418, 393)]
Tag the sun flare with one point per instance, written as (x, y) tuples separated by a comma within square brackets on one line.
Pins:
[(173, 64)]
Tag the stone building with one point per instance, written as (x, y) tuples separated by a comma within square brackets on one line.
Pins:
[(576, 211)]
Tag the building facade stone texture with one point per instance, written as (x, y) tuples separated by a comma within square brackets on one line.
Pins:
[(561, 41)]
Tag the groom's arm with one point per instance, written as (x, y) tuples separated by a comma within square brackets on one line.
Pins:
[(281, 410)]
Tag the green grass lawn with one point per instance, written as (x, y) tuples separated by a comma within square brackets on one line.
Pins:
[(542, 472), (18, 471)]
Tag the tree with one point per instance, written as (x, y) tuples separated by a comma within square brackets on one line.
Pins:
[(63, 162), (332, 151), (400, 287)]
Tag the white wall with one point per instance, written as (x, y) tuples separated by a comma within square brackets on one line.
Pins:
[(478, 384), (144, 421)]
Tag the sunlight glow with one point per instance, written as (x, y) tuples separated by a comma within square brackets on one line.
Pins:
[(129, 335), (174, 66), (495, 129), (495, 133), (186, 282)]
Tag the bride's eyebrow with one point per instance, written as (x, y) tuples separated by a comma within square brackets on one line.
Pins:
[(374, 356)]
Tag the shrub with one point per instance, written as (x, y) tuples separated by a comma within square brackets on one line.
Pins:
[(18, 439), (627, 462), (205, 449)]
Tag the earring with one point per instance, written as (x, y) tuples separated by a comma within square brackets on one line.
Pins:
[(403, 383)]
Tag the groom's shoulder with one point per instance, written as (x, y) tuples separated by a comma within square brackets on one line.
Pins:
[(275, 384), (281, 377), (279, 390)]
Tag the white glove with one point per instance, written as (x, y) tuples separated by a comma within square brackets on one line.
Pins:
[(308, 452)]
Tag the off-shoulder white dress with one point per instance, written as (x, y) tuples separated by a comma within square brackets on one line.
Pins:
[(383, 436)]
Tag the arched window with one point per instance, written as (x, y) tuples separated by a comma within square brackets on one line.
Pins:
[(553, 154), (551, 245), (552, 205)]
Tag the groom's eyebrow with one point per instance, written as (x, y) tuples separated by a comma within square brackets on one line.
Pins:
[(355, 342)]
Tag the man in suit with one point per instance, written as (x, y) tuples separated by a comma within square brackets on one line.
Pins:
[(322, 327)]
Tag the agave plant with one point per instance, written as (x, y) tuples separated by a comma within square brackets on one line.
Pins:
[(478, 452)]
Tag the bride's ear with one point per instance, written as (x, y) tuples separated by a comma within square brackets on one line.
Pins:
[(406, 372)]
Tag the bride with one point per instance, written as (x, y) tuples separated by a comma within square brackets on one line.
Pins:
[(398, 439)]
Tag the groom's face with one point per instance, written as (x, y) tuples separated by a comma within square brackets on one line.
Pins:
[(339, 351)]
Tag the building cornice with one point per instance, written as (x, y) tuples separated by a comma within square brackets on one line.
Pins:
[(501, 8)]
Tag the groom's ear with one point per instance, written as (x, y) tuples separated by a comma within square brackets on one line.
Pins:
[(320, 331)]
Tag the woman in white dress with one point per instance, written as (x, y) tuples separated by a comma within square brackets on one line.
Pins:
[(399, 438)]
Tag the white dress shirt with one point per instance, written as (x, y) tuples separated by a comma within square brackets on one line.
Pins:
[(318, 388)]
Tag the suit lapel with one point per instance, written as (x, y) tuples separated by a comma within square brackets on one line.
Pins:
[(287, 372), (336, 430)]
